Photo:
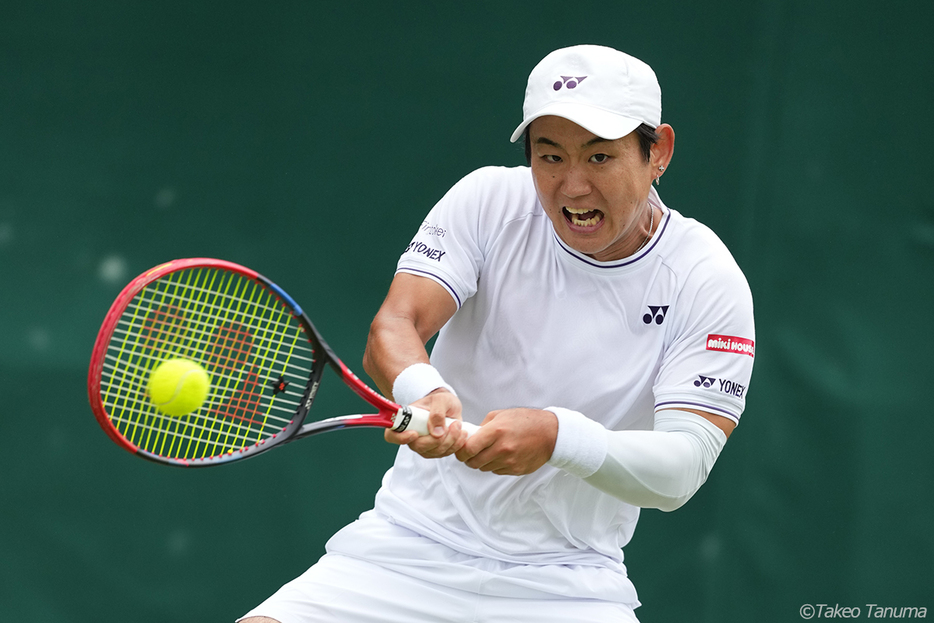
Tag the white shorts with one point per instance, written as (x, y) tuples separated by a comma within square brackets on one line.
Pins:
[(339, 589)]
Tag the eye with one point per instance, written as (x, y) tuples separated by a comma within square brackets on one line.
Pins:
[(551, 158), (599, 158)]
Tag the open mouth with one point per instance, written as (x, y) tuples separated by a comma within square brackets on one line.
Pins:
[(582, 218)]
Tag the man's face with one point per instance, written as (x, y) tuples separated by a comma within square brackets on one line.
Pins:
[(595, 191)]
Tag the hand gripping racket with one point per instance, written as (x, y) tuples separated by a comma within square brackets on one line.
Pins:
[(264, 357)]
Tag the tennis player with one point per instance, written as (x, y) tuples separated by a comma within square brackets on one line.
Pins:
[(604, 341)]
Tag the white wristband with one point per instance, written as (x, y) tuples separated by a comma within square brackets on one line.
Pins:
[(416, 382), (581, 445)]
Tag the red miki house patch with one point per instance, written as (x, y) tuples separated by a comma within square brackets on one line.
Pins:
[(731, 344)]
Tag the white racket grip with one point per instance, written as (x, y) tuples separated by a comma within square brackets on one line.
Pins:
[(413, 418)]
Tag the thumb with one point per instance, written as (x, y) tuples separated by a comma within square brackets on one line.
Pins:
[(436, 421)]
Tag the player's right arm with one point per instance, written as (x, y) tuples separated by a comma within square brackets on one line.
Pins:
[(414, 310)]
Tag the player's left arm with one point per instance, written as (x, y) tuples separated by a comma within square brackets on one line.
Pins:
[(661, 468), (723, 423)]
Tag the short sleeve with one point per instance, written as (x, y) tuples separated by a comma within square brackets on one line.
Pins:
[(453, 241), (447, 246), (707, 364)]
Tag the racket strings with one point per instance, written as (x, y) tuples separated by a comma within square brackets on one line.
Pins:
[(194, 432), (122, 329), (157, 330), (139, 394), (112, 364), (239, 331)]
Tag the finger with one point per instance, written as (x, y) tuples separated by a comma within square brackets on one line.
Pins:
[(460, 437), (431, 448), (484, 461), (453, 438), (475, 444), (492, 455), (402, 439), (456, 438), (451, 441), (437, 424), (507, 471), (440, 404), (492, 461)]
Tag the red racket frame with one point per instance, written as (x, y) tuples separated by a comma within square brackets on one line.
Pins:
[(387, 410)]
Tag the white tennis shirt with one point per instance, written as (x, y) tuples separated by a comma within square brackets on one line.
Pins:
[(540, 324)]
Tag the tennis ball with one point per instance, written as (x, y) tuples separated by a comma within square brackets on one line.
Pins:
[(178, 386)]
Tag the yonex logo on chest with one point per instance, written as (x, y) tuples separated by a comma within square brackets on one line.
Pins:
[(656, 313)]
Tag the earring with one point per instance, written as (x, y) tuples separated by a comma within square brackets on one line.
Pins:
[(660, 168)]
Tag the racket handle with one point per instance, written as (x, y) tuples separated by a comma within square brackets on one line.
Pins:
[(413, 418)]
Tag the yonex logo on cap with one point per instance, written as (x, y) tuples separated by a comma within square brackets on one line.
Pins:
[(731, 344), (570, 82)]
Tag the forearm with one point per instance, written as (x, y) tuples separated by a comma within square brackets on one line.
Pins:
[(414, 310), (661, 468), (393, 345)]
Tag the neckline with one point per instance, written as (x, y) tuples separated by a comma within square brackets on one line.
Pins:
[(578, 258)]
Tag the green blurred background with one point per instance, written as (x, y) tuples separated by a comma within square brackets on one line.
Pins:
[(307, 140)]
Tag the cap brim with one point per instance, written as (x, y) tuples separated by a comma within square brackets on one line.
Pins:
[(604, 124)]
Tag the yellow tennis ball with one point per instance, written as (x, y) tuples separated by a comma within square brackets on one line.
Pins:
[(178, 386)]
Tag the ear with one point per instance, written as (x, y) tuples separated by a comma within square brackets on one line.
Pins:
[(663, 150)]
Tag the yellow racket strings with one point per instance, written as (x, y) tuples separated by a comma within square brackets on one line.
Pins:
[(251, 345)]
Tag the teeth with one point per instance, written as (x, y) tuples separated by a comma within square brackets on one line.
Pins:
[(584, 222), (575, 214)]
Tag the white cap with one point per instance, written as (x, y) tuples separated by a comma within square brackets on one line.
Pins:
[(600, 89)]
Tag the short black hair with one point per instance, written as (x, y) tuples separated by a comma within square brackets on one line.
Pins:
[(645, 133)]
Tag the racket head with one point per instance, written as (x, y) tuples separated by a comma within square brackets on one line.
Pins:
[(264, 357)]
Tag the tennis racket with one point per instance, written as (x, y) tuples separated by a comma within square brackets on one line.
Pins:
[(264, 357)]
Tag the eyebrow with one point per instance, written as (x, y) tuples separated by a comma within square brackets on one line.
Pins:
[(541, 140)]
